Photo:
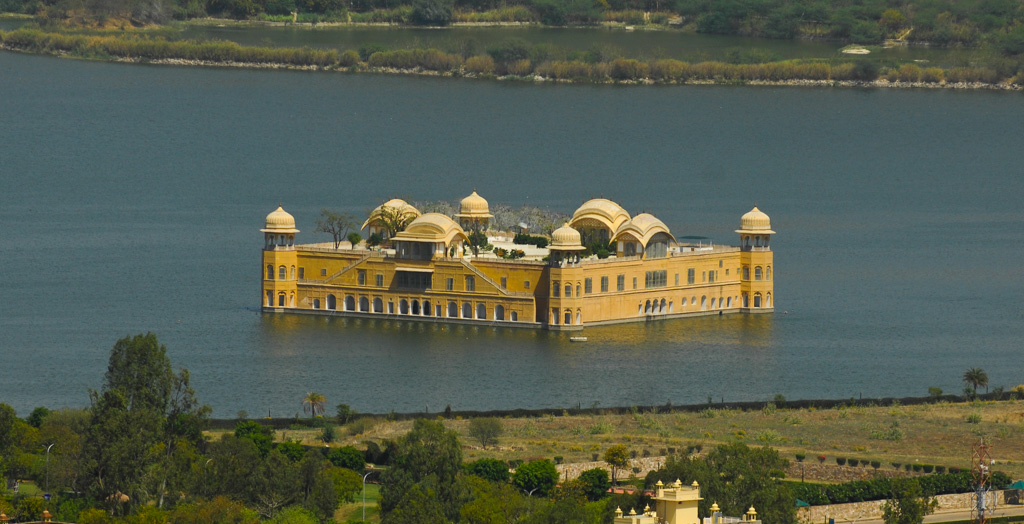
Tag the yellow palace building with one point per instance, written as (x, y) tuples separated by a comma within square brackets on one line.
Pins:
[(428, 272)]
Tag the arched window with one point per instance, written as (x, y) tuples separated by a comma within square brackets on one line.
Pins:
[(467, 310), (639, 309), (291, 300), (662, 308), (481, 312), (746, 273), (316, 303), (757, 273), (364, 304), (350, 303), (270, 272), (647, 307), (426, 308), (403, 307), (270, 299), (453, 310), (332, 303), (578, 294), (280, 299), (499, 312), (378, 305), (693, 301), (728, 302), (568, 317), (757, 300), (292, 273), (768, 276), (579, 317), (669, 307), (282, 273), (768, 300), (568, 291), (704, 303), (514, 317)]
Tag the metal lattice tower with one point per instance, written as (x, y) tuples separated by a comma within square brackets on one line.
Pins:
[(981, 461)]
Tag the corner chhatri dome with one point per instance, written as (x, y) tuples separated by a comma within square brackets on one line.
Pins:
[(474, 206), (566, 238), (280, 221), (755, 222)]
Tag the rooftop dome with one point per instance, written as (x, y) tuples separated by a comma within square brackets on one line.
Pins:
[(474, 206), (600, 211), (432, 227), (755, 222), (280, 221), (566, 238), (643, 227), (394, 203)]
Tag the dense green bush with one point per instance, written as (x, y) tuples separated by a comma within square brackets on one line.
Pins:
[(879, 489)]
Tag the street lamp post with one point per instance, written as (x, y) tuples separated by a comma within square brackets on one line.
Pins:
[(364, 492), (48, 466)]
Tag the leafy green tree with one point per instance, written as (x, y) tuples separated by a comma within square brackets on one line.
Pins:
[(220, 510), (291, 449), (736, 477), (486, 429), (617, 457), (906, 504), (432, 12), (354, 238), (347, 483), (394, 219), (348, 457), (975, 378), (35, 419), (537, 477), (130, 420), (345, 414), (232, 469), (493, 503), (595, 483), (490, 469), (313, 403), (260, 435), (294, 515), (477, 240), (417, 506), (335, 224), (428, 459)]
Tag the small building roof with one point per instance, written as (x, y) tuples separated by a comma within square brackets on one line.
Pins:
[(566, 238), (474, 206), (755, 222)]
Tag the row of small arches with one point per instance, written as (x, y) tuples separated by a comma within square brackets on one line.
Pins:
[(567, 317), (660, 307), (418, 308)]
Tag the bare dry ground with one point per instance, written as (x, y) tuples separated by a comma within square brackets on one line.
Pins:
[(939, 434)]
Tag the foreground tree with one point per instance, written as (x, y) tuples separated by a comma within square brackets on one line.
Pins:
[(907, 504), (536, 478), (975, 378), (427, 460), (617, 458), (335, 224), (140, 419)]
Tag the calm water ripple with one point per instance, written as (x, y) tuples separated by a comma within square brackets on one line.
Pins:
[(132, 196)]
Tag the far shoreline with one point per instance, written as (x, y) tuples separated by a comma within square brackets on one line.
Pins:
[(538, 79)]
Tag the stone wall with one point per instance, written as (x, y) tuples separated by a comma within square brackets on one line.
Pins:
[(873, 509), (646, 465), (814, 470)]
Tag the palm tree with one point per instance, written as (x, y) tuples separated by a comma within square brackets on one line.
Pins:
[(313, 403), (974, 378)]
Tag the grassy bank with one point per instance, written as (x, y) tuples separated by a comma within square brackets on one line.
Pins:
[(939, 434), (512, 60)]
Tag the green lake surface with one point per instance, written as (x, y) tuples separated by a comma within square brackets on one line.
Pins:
[(132, 198)]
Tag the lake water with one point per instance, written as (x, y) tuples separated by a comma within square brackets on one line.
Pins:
[(131, 199)]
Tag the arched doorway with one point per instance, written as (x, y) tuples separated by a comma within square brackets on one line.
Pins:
[(757, 300), (403, 307), (426, 308), (364, 304), (467, 310), (378, 305), (453, 310), (316, 303), (662, 308), (332, 303), (568, 317), (514, 317), (481, 312), (499, 312)]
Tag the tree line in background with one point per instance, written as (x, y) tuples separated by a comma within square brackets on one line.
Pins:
[(938, 22)]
